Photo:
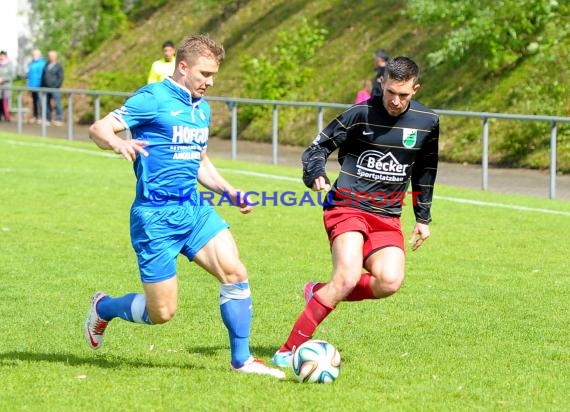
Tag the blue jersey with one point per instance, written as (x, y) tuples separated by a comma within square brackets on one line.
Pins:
[(176, 127)]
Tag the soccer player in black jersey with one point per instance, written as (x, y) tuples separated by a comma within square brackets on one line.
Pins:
[(384, 144)]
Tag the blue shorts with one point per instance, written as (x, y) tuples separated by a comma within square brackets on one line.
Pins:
[(160, 234)]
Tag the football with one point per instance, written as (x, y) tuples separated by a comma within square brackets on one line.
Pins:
[(316, 361)]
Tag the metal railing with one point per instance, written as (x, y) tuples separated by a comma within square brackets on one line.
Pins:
[(233, 103), (485, 116)]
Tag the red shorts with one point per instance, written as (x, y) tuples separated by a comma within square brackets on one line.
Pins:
[(378, 231)]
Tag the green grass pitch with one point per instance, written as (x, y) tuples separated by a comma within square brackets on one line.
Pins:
[(481, 323)]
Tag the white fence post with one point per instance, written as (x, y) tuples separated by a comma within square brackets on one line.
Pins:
[(70, 116), (234, 130), (275, 135), (485, 155), (552, 192)]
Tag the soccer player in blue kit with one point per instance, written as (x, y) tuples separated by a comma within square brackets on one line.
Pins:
[(169, 123)]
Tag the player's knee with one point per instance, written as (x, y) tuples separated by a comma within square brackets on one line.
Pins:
[(240, 276), (391, 287), (161, 315), (388, 283), (343, 285), (236, 275)]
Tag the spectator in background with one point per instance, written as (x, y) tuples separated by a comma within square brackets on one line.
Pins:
[(52, 77), (365, 93), (7, 74), (164, 67), (35, 71), (381, 57)]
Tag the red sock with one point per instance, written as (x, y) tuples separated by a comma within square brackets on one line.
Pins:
[(311, 317), (362, 290), (317, 286)]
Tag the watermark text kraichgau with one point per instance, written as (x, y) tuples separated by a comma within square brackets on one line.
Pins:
[(341, 197)]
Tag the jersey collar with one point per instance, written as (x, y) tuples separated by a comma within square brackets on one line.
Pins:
[(183, 92)]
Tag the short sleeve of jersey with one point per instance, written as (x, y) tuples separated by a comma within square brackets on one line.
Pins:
[(138, 109)]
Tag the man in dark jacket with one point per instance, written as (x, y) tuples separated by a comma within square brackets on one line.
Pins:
[(52, 77), (381, 57)]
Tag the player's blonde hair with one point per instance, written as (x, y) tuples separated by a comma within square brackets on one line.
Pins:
[(198, 45)]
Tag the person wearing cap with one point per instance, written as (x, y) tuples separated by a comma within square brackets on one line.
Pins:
[(164, 67), (7, 74), (381, 57)]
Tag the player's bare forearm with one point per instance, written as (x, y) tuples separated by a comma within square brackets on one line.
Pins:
[(210, 178), (104, 134)]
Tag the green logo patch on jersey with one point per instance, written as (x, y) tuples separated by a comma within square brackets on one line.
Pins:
[(409, 138)]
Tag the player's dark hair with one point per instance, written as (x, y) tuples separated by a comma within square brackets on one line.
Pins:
[(198, 45), (402, 69), (168, 43)]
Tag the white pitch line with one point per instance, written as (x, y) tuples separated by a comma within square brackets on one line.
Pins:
[(259, 174), (449, 199), (503, 205), (293, 179), (63, 148)]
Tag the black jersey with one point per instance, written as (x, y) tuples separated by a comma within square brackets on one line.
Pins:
[(379, 155)]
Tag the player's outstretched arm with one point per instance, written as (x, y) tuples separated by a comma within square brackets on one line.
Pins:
[(210, 178), (104, 133)]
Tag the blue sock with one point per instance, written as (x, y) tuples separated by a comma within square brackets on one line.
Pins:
[(130, 307), (235, 306)]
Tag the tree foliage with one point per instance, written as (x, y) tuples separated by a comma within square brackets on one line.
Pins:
[(503, 31), (281, 73), (75, 27), (285, 68)]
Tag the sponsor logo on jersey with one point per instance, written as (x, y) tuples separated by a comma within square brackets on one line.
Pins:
[(175, 113), (376, 165), (409, 137), (185, 134), (186, 155)]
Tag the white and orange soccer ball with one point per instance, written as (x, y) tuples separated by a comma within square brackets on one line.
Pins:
[(316, 361)]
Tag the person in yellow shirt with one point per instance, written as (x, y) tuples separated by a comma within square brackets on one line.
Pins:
[(164, 67)]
